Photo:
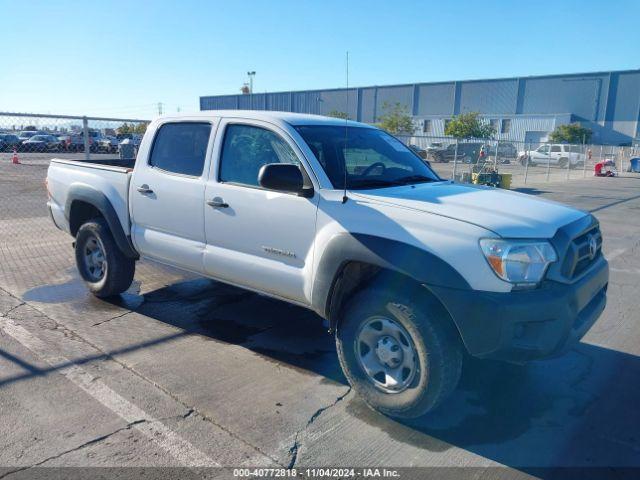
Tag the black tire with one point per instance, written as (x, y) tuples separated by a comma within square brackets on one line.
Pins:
[(436, 345), (118, 270), (562, 163)]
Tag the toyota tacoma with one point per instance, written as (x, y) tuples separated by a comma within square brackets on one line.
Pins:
[(408, 270)]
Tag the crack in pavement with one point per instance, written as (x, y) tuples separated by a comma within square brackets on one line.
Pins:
[(75, 449), (15, 307), (295, 448), (189, 413), (113, 318)]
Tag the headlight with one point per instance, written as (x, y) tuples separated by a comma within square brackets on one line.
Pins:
[(521, 262)]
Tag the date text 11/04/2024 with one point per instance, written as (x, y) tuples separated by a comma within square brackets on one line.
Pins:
[(316, 472)]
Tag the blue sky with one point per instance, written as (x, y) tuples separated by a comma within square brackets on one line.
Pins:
[(119, 58)]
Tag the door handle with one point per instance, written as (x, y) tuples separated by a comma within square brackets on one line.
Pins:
[(217, 203), (144, 189)]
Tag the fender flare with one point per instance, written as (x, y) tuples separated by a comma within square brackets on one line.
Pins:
[(422, 266), (99, 200)]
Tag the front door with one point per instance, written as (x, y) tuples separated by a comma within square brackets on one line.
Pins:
[(167, 195), (257, 238), (540, 155)]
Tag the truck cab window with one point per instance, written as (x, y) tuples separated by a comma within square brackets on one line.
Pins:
[(181, 148), (247, 148)]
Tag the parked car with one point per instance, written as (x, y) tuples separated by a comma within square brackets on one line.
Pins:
[(26, 135), (506, 152), (65, 141), (421, 152), (8, 141), (41, 143), (467, 152), (554, 154), (107, 144), (408, 271), (75, 143)]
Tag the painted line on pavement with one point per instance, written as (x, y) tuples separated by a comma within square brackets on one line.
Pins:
[(182, 450)]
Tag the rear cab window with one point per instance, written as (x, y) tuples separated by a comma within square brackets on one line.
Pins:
[(181, 148)]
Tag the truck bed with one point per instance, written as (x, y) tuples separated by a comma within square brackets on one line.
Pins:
[(111, 162), (110, 178)]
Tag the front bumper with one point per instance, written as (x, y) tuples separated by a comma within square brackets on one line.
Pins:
[(528, 324)]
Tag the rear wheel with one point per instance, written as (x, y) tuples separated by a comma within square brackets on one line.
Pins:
[(398, 352), (102, 265), (563, 162)]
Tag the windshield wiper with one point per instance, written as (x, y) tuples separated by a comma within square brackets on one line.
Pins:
[(413, 179)]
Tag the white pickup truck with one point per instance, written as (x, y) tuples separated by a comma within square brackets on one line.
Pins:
[(558, 154), (409, 271)]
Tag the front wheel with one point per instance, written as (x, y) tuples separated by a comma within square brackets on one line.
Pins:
[(102, 265), (399, 352)]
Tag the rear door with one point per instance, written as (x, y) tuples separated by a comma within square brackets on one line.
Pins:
[(167, 194), (556, 153), (574, 152), (258, 238)]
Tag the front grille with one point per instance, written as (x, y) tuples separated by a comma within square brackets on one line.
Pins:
[(581, 253)]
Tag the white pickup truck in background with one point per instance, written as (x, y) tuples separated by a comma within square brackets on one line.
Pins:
[(408, 270), (558, 154)]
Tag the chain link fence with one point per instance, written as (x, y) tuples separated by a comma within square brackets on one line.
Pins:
[(525, 162), (32, 251), (37, 138)]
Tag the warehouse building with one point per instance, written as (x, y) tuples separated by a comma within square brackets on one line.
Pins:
[(524, 109)]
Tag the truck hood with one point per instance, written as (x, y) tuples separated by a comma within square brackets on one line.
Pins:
[(507, 213)]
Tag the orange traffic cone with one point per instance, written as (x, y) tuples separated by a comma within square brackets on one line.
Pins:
[(15, 160)]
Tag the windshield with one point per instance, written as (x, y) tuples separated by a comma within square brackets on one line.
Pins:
[(374, 159)]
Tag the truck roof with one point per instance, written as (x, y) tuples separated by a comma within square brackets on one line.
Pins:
[(270, 116)]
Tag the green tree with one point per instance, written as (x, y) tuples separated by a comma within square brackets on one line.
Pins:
[(129, 128), (140, 128), (571, 133), (125, 129), (338, 114), (396, 119), (468, 125)]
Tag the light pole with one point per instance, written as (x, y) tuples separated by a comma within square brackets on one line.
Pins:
[(251, 74)]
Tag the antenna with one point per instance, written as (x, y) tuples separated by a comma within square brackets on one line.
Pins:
[(346, 134)]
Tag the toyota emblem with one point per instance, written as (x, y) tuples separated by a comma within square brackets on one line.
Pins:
[(593, 247)]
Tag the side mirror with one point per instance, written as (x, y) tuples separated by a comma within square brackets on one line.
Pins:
[(284, 177)]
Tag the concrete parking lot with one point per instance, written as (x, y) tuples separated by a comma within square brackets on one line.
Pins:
[(184, 371)]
